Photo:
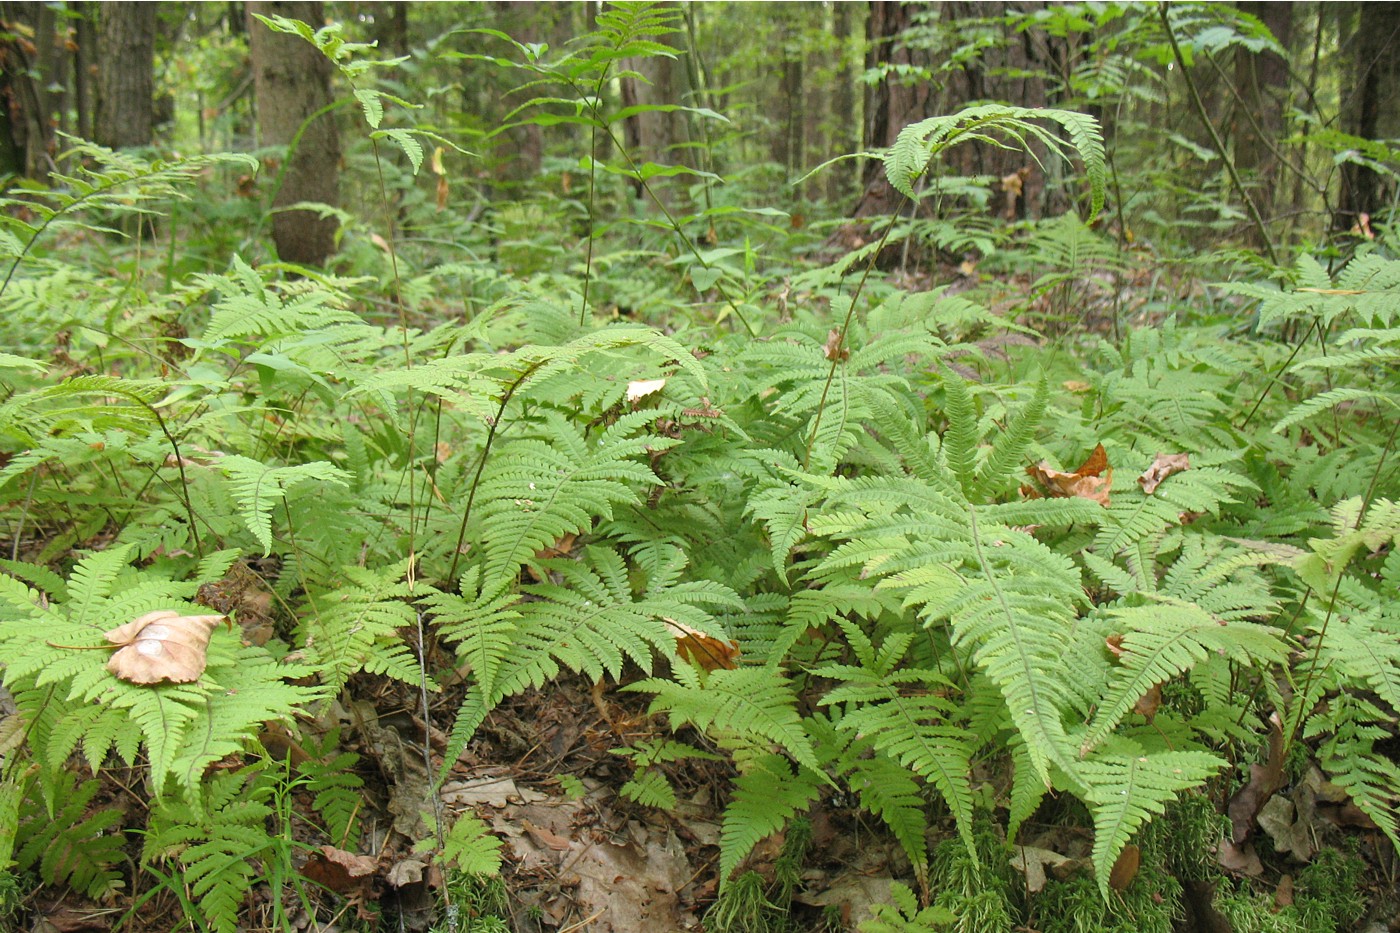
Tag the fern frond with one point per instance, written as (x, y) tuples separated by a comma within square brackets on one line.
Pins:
[(766, 796), (355, 627), (257, 487), (1127, 790), (73, 845), (536, 491), (1162, 640), (919, 143), (471, 847), (901, 713), (751, 704)]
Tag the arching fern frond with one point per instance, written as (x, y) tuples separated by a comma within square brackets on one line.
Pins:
[(919, 143), (1162, 640)]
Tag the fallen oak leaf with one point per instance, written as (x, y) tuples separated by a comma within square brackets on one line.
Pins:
[(1093, 480), (161, 647), (703, 650)]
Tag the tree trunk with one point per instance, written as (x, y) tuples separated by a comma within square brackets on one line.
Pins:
[(27, 146), (126, 44), (1372, 110), (651, 136), (522, 146), (293, 81), (1262, 82), (892, 104), (844, 117), (85, 65)]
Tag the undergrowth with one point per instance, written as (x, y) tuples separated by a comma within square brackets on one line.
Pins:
[(529, 487)]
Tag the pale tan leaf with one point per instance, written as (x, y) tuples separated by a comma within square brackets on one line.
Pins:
[(1162, 467), (161, 647), (639, 389)]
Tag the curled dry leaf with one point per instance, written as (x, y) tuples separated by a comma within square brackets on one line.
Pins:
[(339, 870), (1162, 467), (161, 647), (703, 650), (639, 389), (834, 349), (1093, 480)]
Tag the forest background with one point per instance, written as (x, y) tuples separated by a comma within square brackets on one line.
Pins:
[(751, 467)]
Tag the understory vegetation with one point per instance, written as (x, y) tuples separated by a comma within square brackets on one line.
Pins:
[(1059, 564)]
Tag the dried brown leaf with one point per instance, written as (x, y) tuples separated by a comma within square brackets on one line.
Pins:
[(1162, 467), (339, 870), (1093, 480), (1125, 869), (703, 650), (161, 647)]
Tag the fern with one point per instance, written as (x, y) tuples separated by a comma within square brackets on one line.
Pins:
[(256, 488), (355, 627), (746, 708), (886, 788), (75, 843), (471, 848), (536, 491), (215, 843), (1162, 640), (70, 693), (919, 143), (590, 622), (338, 792), (766, 796), (1127, 787), (902, 714)]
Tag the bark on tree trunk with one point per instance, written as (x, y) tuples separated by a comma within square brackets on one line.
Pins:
[(126, 45), (843, 108), (293, 81), (1373, 110), (28, 140), (523, 145), (85, 64), (1262, 82), (892, 104)]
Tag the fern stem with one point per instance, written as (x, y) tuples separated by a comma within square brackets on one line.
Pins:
[(481, 465), (389, 227), (1269, 383), (841, 338)]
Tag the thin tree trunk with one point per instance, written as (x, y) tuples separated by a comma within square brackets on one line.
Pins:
[(125, 59), (293, 83), (1373, 110)]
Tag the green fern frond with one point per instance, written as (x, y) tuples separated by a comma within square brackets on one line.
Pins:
[(355, 627), (752, 705), (1134, 515), (901, 713), (648, 787), (536, 491), (1126, 790), (337, 791), (257, 488), (75, 844), (471, 847), (248, 306), (919, 143), (766, 796), (214, 843), (1163, 640)]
